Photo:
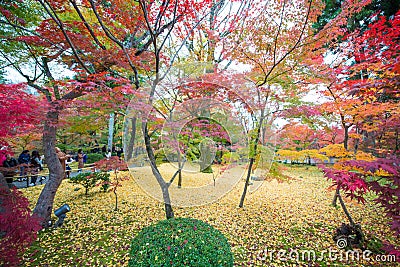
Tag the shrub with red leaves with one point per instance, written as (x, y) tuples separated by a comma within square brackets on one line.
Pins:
[(114, 164), (18, 228), (382, 177)]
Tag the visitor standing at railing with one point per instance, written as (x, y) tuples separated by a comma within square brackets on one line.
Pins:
[(80, 160), (24, 160), (62, 157), (10, 163), (36, 166)]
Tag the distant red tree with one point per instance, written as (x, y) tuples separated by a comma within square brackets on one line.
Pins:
[(114, 164)]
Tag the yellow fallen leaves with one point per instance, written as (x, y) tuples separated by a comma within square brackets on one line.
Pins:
[(293, 215)]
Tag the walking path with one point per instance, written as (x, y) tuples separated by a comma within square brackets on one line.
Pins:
[(205, 192), (41, 179)]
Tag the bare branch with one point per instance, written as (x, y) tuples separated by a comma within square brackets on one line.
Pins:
[(290, 50)]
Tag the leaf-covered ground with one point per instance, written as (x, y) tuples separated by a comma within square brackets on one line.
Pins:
[(294, 216)]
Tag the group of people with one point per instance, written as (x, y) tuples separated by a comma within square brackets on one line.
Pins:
[(26, 163), (107, 152), (30, 164)]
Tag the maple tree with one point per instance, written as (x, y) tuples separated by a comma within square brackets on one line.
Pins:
[(314, 117), (108, 61), (207, 43), (114, 164), (298, 136), (20, 113), (267, 40), (380, 176), (363, 86), (362, 80)]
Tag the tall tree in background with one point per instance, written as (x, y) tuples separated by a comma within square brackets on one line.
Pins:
[(361, 63), (272, 40)]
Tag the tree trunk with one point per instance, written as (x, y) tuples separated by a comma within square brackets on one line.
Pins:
[(180, 169), (115, 190), (169, 213), (3, 183), (129, 149), (252, 159), (111, 131), (44, 205), (5, 192), (116, 199), (4, 189), (346, 137), (205, 158), (246, 183), (345, 210), (335, 197)]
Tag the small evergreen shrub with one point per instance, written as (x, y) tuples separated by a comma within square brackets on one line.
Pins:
[(90, 179), (93, 157), (104, 179), (180, 242)]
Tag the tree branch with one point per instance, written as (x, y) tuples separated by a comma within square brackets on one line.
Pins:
[(56, 19)]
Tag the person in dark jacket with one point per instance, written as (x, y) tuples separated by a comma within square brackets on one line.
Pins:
[(36, 166), (10, 163), (24, 160)]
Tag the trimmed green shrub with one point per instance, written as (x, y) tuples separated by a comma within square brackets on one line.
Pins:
[(93, 157), (180, 242), (87, 179), (91, 179)]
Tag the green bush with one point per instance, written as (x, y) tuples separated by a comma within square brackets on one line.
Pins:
[(91, 179), (180, 242), (104, 179), (93, 157)]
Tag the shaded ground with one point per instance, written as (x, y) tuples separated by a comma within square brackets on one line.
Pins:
[(279, 216)]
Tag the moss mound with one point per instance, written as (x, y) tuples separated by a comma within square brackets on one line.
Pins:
[(180, 242)]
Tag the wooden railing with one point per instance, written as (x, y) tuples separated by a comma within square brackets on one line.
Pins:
[(14, 172)]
